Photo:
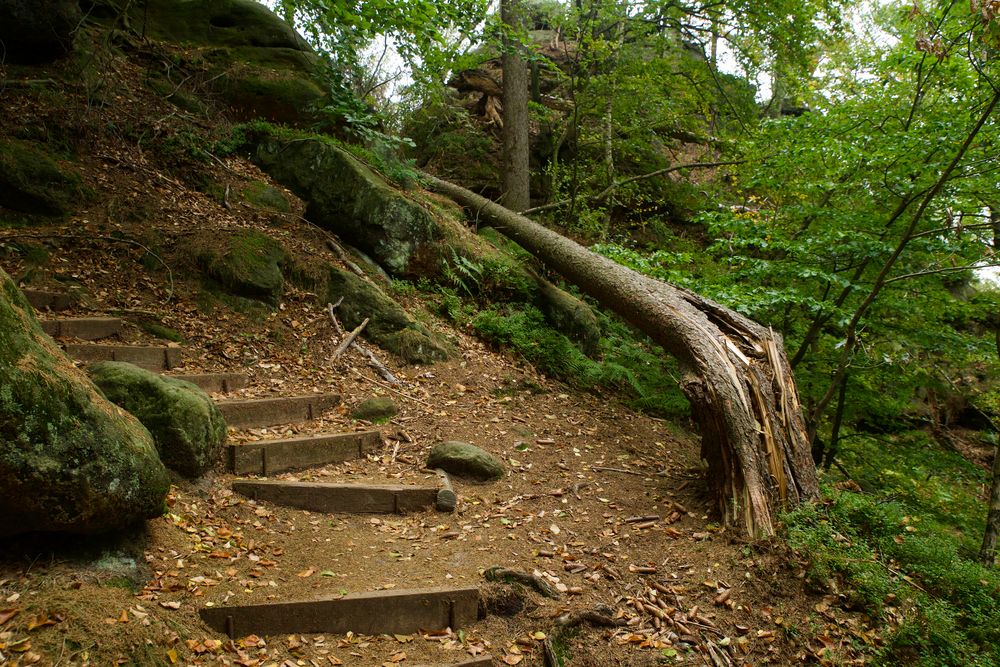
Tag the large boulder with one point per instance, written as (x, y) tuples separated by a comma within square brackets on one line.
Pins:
[(258, 65), (346, 196), (34, 31), (31, 182), (187, 427), (389, 326), (69, 459)]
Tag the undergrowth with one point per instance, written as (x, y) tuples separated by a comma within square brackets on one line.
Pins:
[(646, 374), (905, 554)]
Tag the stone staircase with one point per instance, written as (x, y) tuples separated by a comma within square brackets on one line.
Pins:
[(399, 611)]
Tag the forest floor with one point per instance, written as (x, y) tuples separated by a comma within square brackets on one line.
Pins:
[(606, 504)]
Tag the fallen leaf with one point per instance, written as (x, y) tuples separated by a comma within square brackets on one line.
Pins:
[(39, 621), (7, 614), (172, 656), (512, 659), (306, 573), (171, 605)]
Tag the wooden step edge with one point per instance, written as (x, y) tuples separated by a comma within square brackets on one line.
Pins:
[(370, 613), (267, 457), (83, 328), (340, 498), (260, 412), (150, 357), (214, 383)]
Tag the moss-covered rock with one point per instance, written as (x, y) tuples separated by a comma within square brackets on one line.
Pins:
[(376, 408), (247, 264), (31, 182), (187, 427), (69, 459), (389, 326), (258, 65), (231, 22), (569, 315), (265, 196), (34, 31), (465, 460), (347, 197)]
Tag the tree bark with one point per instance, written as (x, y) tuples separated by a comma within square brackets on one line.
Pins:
[(988, 552), (516, 87), (735, 372)]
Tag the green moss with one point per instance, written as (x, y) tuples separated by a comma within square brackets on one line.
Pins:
[(265, 196), (31, 182), (389, 326), (160, 331), (276, 96), (69, 460), (248, 265), (187, 427)]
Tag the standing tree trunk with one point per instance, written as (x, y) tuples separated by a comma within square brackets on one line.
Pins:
[(988, 552), (516, 87), (735, 372)]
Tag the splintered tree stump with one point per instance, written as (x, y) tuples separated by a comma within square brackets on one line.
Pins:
[(341, 498), (376, 613), (267, 457)]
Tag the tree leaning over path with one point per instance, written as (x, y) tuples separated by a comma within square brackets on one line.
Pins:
[(735, 371)]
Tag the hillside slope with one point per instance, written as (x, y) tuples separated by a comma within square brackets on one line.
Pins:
[(144, 217)]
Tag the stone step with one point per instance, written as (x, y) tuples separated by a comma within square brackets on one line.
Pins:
[(150, 357), (215, 383), (84, 328), (267, 457), (376, 613), (344, 498), (46, 300), (255, 413)]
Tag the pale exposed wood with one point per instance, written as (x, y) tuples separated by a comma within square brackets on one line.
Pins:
[(349, 339)]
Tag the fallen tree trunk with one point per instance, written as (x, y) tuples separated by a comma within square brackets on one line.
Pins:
[(735, 371)]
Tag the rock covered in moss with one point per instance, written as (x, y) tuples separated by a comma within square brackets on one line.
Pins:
[(375, 408), (258, 65), (247, 264), (34, 31), (389, 326), (70, 460), (465, 460), (346, 196), (31, 182), (187, 427)]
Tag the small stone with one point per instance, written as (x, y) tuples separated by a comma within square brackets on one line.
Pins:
[(375, 409), (465, 460)]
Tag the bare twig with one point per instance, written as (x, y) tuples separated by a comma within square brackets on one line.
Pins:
[(349, 339), (503, 574), (373, 361)]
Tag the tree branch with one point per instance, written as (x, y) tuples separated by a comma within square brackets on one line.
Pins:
[(606, 192)]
